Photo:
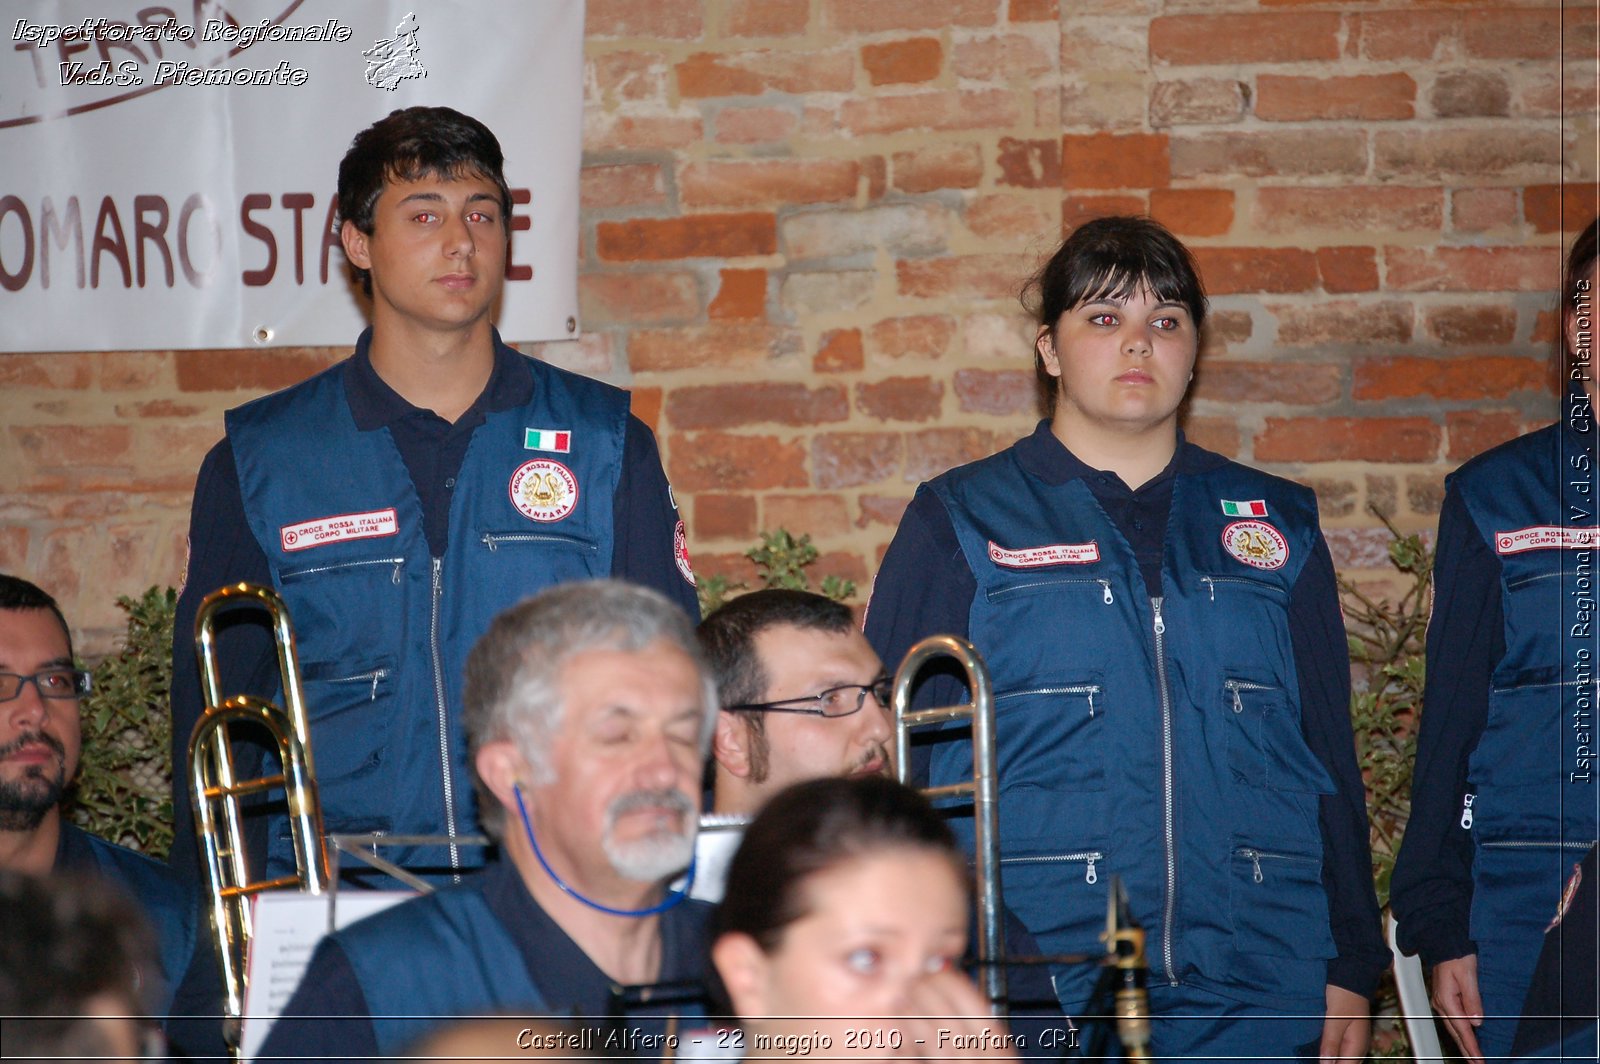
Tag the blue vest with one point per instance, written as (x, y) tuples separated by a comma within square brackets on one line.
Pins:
[(384, 629), (1533, 773), (1158, 744)]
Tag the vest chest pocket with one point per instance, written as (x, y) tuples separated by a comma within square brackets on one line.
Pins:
[(349, 705), (1278, 903), (1053, 735), (529, 560), (1265, 746)]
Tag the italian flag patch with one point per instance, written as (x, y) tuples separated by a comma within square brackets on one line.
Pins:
[(1251, 508), (558, 440)]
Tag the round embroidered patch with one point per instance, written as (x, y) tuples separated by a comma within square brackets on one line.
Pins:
[(680, 553), (1256, 543), (544, 490)]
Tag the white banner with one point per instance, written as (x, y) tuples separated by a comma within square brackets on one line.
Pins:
[(167, 173)]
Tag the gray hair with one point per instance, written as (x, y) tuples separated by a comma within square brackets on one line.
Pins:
[(510, 690)]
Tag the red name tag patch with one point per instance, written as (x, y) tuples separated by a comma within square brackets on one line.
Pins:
[(1546, 537), (1051, 554), (338, 528)]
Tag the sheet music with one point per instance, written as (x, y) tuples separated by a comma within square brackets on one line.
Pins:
[(288, 926)]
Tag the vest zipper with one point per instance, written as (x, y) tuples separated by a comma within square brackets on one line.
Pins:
[(1105, 587), (1235, 686), (1211, 583), (1536, 844), (394, 577), (1089, 690), (492, 540), (1089, 857), (1169, 844), (444, 720), (1255, 857), (376, 676)]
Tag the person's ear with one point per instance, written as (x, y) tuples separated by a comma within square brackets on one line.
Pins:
[(743, 968), (501, 766), (730, 744), (1045, 345), (355, 246)]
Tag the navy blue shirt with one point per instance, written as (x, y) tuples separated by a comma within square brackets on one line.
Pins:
[(934, 590), (222, 549)]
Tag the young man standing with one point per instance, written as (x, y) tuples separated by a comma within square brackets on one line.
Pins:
[(402, 498)]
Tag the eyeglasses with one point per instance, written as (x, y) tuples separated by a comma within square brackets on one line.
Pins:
[(838, 701), (50, 683)]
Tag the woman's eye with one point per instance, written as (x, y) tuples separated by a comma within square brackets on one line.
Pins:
[(863, 961), (1102, 319), (1166, 323), (426, 216)]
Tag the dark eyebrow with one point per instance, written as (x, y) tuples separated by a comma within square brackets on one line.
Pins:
[(423, 197)]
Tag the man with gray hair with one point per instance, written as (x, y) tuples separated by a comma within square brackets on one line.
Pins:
[(588, 711)]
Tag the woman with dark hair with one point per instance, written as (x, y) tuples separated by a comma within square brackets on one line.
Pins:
[(1172, 688), (1503, 798), (843, 927)]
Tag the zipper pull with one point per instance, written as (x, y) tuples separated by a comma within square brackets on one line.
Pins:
[(1466, 812), (1238, 704), (1091, 703), (488, 541), (399, 564), (1089, 875), (1161, 626), (1211, 585), (1255, 862), (1105, 585), (377, 674)]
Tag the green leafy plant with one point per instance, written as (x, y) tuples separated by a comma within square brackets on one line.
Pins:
[(124, 788), (781, 560)]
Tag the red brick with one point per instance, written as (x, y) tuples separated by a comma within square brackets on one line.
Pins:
[(1348, 269), (937, 167), (693, 236), (755, 125), (721, 406), (1269, 153), (753, 73), (14, 550), (645, 404), (1389, 35), (1546, 329), (735, 567), (57, 370), (851, 459), (1512, 34), (1362, 97), (1469, 153), (676, 19), (1029, 163), (1034, 10), (48, 447), (741, 294), (1003, 58), (720, 461), (917, 336), (1348, 439), (1075, 210), (617, 131), (1558, 208), (852, 16), (813, 515), (1472, 326), (900, 398), (132, 371), (1196, 101), (903, 62), (1474, 210), (882, 510), (1194, 211), (1220, 434), (1019, 217), (629, 75), (697, 347), (1267, 37), (933, 109), (159, 409), (1580, 33), (765, 18), (1495, 269), (998, 391), (590, 354), (1115, 160), (846, 565), (839, 352), (1470, 94), (762, 182), (1342, 323), (900, 228), (1353, 208), (1295, 383), (262, 370), (619, 298), (1228, 271), (622, 185), (966, 277), (1410, 377), (724, 516), (1471, 432), (930, 452)]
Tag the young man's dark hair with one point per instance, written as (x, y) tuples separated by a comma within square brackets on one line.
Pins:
[(19, 594), (413, 143), (728, 637)]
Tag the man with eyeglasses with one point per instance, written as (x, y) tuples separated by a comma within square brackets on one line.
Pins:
[(40, 688)]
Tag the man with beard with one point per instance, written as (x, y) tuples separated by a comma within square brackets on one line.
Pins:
[(40, 687), (588, 711)]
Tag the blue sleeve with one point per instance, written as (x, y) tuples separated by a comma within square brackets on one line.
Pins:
[(1322, 662), (327, 1018), (222, 550), (645, 518), (1432, 887)]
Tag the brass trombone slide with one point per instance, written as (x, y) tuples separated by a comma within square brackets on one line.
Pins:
[(214, 783), (982, 788)]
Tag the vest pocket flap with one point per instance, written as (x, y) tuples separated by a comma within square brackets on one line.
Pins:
[(346, 702), (1278, 905), (1265, 745), (522, 539), (1067, 718), (1528, 738)]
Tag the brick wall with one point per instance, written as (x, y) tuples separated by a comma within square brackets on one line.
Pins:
[(805, 223)]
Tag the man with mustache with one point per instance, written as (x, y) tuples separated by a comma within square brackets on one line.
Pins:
[(588, 712), (40, 742)]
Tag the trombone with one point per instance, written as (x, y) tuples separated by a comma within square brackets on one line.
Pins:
[(214, 785), (982, 787)]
